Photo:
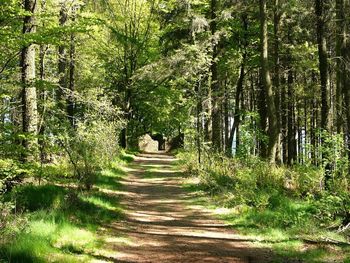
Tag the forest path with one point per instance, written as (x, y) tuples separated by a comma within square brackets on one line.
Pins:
[(159, 227)]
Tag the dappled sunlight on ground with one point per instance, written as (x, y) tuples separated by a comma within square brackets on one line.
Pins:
[(160, 226)]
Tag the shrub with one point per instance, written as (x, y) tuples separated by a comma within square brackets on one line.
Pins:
[(279, 195)]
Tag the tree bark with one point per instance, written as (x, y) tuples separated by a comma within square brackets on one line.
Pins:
[(291, 131), (267, 85), (214, 83), (325, 83), (70, 95), (323, 62), (276, 80), (239, 91), (62, 61), (29, 95), (340, 47)]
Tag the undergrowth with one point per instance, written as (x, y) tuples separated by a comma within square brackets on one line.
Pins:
[(57, 221), (287, 208)]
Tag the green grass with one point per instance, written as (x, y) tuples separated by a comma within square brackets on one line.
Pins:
[(60, 223), (283, 225), (127, 157)]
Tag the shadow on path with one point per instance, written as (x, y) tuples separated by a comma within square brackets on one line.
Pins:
[(160, 227)]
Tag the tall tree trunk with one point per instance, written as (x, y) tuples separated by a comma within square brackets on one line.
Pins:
[(325, 82), (226, 116), (276, 80), (62, 61), (214, 83), (262, 109), (239, 91), (267, 85), (340, 47), (291, 120), (42, 95), (284, 118), (291, 131), (70, 95), (199, 121), (323, 62), (237, 114), (29, 96), (346, 89)]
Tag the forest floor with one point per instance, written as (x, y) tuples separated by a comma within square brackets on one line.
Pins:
[(160, 225), (141, 210)]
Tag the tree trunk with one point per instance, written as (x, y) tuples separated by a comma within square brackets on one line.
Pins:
[(262, 109), (267, 85), (226, 116), (42, 95), (340, 47), (62, 61), (239, 91), (29, 96), (323, 62), (324, 77), (214, 83), (291, 131), (284, 118), (276, 80), (70, 95), (237, 113), (346, 91)]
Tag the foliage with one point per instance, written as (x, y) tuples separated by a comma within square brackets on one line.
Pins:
[(55, 222), (294, 196)]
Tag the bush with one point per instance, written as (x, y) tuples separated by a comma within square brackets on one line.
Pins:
[(279, 195)]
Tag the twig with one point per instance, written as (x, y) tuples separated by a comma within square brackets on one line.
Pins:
[(343, 229)]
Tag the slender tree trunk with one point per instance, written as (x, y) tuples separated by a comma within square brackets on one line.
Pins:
[(237, 114), (267, 85), (29, 95), (324, 77), (284, 119), (226, 116), (199, 121), (208, 122), (262, 109), (340, 47), (323, 62), (214, 83), (291, 132), (43, 96), (346, 57), (239, 91), (291, 120), (276, 80), (62, 61), (70, 95)]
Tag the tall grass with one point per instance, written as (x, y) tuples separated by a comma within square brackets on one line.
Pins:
[(57, 222), (275, 204)]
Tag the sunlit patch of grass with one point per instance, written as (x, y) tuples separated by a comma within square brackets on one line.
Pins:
[(75, 240), (298, 251), (119, 240), (97, 201), (44, 238), (126, 157), (283, 224), (62, 224)]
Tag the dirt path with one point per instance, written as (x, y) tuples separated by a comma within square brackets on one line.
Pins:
[(160, 227)]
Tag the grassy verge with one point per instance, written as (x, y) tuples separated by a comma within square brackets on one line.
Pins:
[(56, 222), (254, 203)]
